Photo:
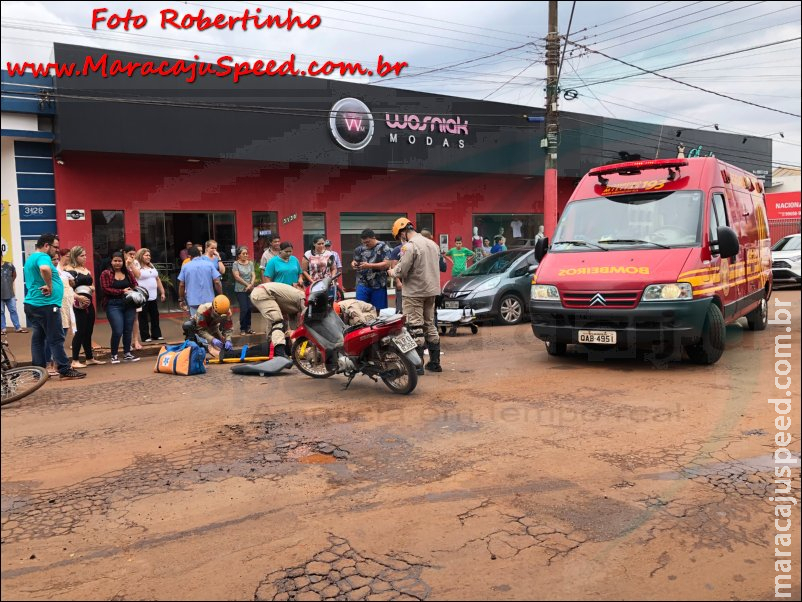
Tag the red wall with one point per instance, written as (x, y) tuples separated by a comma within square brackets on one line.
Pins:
[(93, 181)]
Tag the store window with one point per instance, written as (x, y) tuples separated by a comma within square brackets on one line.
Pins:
[(265, 226), (517, 228), (166, 234), (351, 226), (314, 226), (425, 221)]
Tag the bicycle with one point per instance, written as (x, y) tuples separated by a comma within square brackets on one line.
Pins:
[(18, 382)]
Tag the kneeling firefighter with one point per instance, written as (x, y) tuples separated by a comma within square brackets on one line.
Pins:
[(419, 269), (278, 303), (212, 323)]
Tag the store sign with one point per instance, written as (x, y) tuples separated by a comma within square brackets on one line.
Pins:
[(8, 254), (76, 214), (351, 124), (426, 129), (784, 205)]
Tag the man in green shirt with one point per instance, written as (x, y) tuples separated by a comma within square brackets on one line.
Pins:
[(45, 290), (459, 256)]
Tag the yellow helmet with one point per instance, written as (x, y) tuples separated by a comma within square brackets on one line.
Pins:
[(400, 224), (221, 304)]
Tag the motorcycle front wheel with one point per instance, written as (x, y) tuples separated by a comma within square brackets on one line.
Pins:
[(402, 378), (309, 359)]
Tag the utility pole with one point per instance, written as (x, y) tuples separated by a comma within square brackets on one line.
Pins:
[(552, 123)]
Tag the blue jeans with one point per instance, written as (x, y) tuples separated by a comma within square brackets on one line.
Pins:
[(377, 297), (244, 300), (48, 354), (46, 330), (121, 319), (11, 304)]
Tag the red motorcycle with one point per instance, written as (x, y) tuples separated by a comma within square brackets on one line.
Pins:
[(323, 345)]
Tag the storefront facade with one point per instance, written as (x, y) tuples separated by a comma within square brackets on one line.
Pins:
[(157, 162)]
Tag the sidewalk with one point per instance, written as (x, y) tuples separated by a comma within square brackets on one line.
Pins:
[(20, 344), (170, 324)]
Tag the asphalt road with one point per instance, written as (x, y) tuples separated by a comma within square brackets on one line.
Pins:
[(511, 475)]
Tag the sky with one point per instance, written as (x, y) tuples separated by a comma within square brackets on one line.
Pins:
[(496, 51)]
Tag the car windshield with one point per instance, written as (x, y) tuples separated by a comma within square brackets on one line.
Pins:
[(789, 243), (495, 264), (651, 220)]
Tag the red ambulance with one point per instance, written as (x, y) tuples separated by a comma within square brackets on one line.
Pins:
[(656, 254)]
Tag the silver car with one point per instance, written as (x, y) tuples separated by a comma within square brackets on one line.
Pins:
[(496, 287)]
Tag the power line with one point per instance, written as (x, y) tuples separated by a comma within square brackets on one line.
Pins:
[(728, 26), (697, 87), (434, 70)]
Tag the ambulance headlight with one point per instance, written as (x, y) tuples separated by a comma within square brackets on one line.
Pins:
[(672, 291), (545, 292)]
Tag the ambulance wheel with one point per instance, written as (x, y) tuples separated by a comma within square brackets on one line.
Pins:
[(474, 329), (309, 360), (758, 318), (556, 349), (710, 347)]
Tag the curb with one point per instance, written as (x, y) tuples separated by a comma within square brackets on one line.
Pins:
[(151, 350)]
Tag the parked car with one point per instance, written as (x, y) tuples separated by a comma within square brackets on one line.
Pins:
[(494, 287), (785, 259)]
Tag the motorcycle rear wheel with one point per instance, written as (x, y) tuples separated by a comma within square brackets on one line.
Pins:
[(309, 360), (406, 380)]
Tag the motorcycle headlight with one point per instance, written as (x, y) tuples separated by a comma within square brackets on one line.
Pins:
[(671, 291), (489, 284), (545, 292)]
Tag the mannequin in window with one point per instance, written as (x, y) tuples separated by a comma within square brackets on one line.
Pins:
[(540, 233), (476, 241), (516, 224)]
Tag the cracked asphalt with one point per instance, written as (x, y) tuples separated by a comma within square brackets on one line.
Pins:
[(511, 475)]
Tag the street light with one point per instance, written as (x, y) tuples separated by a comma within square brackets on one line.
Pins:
[(712, 125), (772, 134)]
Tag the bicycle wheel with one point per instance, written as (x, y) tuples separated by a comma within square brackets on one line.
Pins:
[(19, 382)]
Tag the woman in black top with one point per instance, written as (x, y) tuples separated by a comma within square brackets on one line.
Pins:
[(83, 307)]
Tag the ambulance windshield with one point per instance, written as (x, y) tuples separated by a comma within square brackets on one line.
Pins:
[(651, 220)]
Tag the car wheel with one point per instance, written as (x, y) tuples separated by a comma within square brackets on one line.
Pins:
[(510, 309), (758, 318)]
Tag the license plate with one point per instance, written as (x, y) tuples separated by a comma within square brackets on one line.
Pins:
[(600, 337), (451, 304), (405, 342)]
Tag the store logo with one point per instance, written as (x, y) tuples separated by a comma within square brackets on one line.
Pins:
[(351, 124)]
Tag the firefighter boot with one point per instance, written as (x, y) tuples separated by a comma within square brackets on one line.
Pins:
[(434, 358)]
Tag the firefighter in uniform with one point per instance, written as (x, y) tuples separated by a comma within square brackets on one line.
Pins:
[(212, 323), (419, 269), (353, 312), (278, 303)]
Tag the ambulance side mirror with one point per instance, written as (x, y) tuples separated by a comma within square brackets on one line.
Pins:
[(727, 243), (541, 248)]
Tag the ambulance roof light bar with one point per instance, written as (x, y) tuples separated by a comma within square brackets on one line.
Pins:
[(635, 167)]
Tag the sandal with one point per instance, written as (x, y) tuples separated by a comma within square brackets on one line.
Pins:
[(19, 331)]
